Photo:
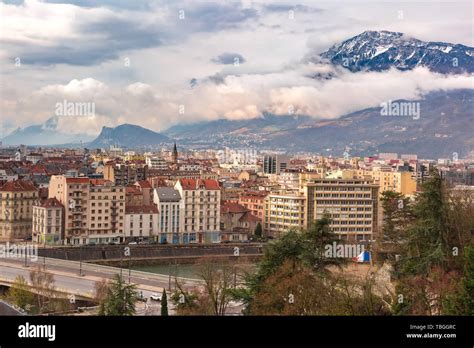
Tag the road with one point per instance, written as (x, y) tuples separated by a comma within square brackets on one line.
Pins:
[(67, 278)]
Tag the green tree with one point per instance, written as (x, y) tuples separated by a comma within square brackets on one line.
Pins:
[(396, 216), (434, 274), (186, 302), (20, 295), (462, 302), (164, 304), (316, 239), (289, 246), (120, 299), (294, 248), (258, 231), (424, 244)]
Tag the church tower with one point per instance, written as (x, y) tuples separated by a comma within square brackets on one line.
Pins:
[(175, 154)]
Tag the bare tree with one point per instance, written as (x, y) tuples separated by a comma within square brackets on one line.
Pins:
[(43, 285), (218, 280)]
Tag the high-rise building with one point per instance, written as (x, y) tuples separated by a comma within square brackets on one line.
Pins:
[(16, 209), (352, 205), (274, 164)]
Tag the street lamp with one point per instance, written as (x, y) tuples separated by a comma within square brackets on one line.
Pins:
[(129, 268), (44, 254), (26, 254), (80, 261)]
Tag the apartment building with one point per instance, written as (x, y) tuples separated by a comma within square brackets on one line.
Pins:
[(352, 205), (141, 222), (401, 182), (283, 211), (274, 164), (16, 202), (123, 174), (156, 162), (48, 222), (254, 201), (170, 206), (94, 209), (237, 222), (201, 209)]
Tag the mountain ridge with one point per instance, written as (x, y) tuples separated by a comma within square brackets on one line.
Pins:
[(382, 50)]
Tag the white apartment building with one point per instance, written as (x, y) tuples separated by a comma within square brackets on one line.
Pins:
[(156, 162), (170, 206), (283, 211), (141, 222), (47, 222), (201, 209)]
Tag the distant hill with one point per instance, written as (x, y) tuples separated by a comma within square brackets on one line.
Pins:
[(445, 126), (128, 136), (44, 134), (382, 50)]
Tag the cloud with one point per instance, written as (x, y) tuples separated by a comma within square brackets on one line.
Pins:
[(289, 7), (88, 33), (229, 58), (235, 97)]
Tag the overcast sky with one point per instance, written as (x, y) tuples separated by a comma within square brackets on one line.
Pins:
[(143, 62)]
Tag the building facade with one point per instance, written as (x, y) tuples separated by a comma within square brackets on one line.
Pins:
[(283, 211), (201, 209), (94, 209), (17, 199), (274, 164), (352, 205), (170, 205), (141, 223), (48, 222)]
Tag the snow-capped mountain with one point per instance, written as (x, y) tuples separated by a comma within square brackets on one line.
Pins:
[(382, 50)]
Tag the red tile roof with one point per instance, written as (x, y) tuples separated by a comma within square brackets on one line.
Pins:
[(141, 209), (193, 184), (249, 218), (143, 184), (132, 190), (229, 207), (52, 203), (18, 185), (77, 180), (254, 194)]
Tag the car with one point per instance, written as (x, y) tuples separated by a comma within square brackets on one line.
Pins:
[(155, 297)]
